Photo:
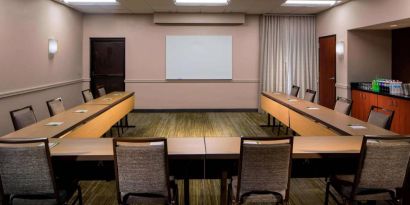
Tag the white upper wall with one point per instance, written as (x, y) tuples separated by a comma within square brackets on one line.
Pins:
[(357, 14), (25, 27)]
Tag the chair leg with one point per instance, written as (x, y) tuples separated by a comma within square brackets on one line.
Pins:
[(327, 193), (80, 195), (279, 126), (118, 129), (287, 130)]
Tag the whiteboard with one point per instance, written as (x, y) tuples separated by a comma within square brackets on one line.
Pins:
[(198, 57)]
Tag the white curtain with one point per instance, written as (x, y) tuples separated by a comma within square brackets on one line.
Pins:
[(288, 53)]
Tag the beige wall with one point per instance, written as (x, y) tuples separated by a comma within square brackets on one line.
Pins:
[(145, 62), (28, 75), (369, 55), (357, 14)]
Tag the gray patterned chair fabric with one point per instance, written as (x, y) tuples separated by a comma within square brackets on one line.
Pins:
[(26, 173), (87, 95), (101, 91), (270, 183), (23, 117), (55, 106), (380, 117), (381, 174), (142, 171), (294, 91), (343, 105), (309, 95)]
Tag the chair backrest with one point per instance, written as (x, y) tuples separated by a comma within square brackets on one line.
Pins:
[(141, 166), (87, 95), (264, 166), (310, 95), (294, 91), (383, 163), (23, 117), (25, 167), (381, 117), (101, 90), (55, 106), (343, 105)]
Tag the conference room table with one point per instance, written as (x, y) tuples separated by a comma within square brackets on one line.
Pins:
[(311, 119), (206, 157), (87, 120)]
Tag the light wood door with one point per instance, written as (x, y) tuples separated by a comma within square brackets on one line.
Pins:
[(390, 103), (357, 105), (404, 117), (327, 71)]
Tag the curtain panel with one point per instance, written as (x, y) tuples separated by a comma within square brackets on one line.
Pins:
[(288, 53)]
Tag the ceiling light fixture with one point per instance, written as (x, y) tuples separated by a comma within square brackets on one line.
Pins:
[(310, 2), (90, 1), (201, 2), (394, 25)]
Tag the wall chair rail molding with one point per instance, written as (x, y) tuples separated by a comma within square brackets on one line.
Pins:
[(38, 88), (189, 81)]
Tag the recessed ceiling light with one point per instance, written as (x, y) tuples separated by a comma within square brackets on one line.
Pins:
[(90, 1), (201, 2), (310, 2), (394, 25)]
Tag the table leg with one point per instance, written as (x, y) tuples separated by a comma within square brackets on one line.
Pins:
[(268, 124), (224, 194), (186, 191)]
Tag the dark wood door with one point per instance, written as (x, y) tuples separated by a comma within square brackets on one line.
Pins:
[(327, 71), (107, 64)]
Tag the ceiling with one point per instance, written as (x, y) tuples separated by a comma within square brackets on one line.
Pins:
[(235, 6)]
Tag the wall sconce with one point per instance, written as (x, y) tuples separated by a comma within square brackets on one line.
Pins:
[(52, 46), (340, 48)]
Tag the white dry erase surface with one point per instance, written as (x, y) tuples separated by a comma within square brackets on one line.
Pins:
[(251, 142), (198, 57), (312, 108), (54, 124), (357, 127), (81, 111)]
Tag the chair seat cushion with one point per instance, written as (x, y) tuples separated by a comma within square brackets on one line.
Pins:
[(344, 183), (24, 201), (255, 198)]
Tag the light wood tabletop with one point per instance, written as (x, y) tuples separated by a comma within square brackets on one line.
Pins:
[(102, 148), (75, 117), (303, 147), (111, 98), (337, 121), (70, 118)]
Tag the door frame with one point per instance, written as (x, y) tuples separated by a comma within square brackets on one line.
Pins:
[(332, 35), (105, 39)]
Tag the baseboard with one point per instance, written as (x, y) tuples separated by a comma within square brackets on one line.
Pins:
[(195, 110)]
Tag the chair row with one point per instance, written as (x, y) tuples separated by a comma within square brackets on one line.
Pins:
[(377, 116), (142, 176), (25, 116)]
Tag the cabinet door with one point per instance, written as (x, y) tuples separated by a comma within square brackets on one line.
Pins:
[(357, 106), (390, 103), (404, 117), (369, 99)]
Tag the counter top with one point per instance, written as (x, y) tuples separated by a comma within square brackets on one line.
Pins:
[(355, 86)]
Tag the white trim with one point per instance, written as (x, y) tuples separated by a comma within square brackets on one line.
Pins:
[(189, 81), (38, 88), (342, 85)]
